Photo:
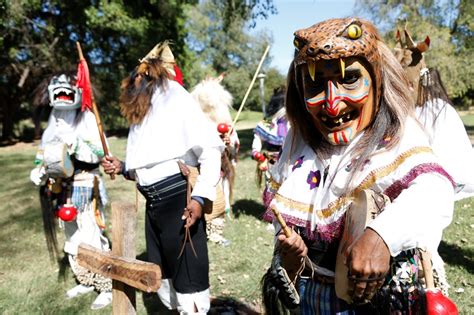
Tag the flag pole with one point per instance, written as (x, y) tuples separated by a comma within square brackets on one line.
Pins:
[(249, 89), (96, 113)]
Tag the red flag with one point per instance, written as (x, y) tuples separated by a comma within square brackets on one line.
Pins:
[(83, 82), (179, 75)]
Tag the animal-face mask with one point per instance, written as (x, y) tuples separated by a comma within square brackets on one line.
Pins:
[(341, 107), (63, 94), (327, 52)]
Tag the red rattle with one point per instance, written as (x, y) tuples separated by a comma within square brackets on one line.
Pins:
[(223, 128), (436, 302), (67, 212), (259, 157)]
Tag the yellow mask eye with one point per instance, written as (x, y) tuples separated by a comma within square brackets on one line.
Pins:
[(354, 31), (296, 42)]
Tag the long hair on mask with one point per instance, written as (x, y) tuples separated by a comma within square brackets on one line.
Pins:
[(138, 88)]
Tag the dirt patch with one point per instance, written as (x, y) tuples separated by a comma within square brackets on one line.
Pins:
[(18, 146)]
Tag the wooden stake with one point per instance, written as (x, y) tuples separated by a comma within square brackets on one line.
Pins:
[(126, 272)]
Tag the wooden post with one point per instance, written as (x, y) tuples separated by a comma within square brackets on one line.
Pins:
[(124, 221), (126, 272)]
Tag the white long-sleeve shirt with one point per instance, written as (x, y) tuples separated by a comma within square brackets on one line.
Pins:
[(450, 142), (175, 129), (410, 174)]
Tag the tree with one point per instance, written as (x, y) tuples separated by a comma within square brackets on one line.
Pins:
[(218, 42), (38, 39), (450, 26)]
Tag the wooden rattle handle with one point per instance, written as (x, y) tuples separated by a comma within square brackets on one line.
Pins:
[(285, 228), (427, 269)]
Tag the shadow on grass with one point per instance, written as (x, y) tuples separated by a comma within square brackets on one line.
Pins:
[(469, 130), (248, 207), (454, 255), (219, 305)]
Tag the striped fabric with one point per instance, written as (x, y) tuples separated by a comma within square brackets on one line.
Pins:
[(320, 299)]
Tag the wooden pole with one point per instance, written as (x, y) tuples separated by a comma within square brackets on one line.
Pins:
[(124, 219), (126, 272), (96, 113), (249, 89)]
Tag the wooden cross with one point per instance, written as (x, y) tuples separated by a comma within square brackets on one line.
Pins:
[(126, 272)]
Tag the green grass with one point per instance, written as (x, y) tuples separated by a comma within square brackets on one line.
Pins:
[(468, 119), (31, 284)]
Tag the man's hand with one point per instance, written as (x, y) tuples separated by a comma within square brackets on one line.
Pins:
[(293, 250), (111, 165), (368, 261), (263, 166), (192, 213)]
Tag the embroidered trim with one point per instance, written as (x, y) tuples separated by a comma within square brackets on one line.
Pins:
[(370, 180), (293, 204), (291, 221), (306, 208), (398, 186), (366, 183), (326, 233), (332, 231), (274, 186)]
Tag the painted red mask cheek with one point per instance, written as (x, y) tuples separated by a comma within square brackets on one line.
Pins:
[(333, 99)]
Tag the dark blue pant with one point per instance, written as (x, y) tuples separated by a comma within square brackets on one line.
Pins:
[(164, 231)]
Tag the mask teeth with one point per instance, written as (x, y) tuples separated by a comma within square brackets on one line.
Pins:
[(342, 64), (311, 69)]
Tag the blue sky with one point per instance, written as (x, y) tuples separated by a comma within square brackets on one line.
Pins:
[(296, 14)]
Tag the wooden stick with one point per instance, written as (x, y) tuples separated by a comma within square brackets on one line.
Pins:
[(249, 89), (285, 228), (96, 113), (427, 269)]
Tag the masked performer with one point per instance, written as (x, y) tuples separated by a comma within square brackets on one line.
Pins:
[(167, 127), (71, 187), (269, 135), (215, 102), (353, 131), (435, 111), (445, 129)]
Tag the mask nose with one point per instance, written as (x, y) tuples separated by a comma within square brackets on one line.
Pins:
[(332, 100)]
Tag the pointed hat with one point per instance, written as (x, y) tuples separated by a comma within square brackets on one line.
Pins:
[(162, 52)]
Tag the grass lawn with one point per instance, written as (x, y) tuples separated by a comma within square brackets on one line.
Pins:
[(31, 284)]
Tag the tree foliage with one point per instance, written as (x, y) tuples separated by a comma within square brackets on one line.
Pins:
[(448, 23), (219, 44), (37, 40)]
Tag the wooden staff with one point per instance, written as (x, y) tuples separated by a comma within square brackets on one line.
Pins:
[(96, 113), (284, 227), (249, 89)]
